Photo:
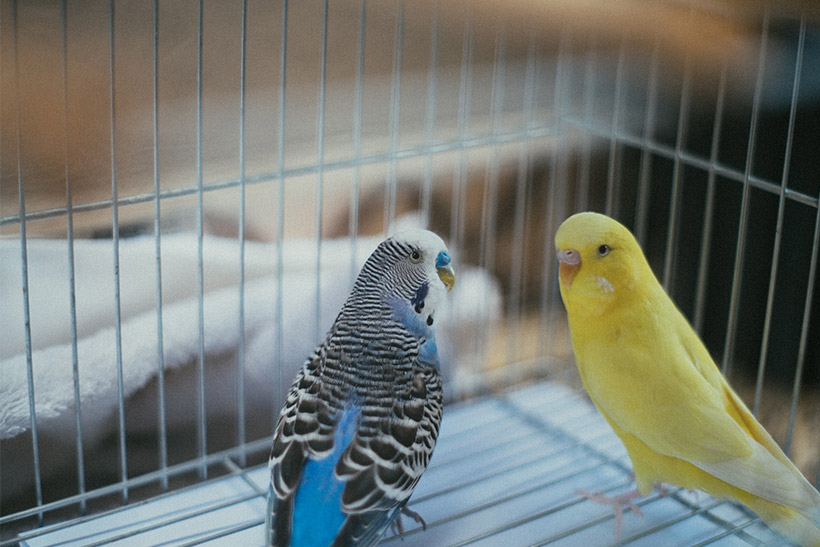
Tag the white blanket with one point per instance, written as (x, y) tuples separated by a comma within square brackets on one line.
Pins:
[(475, 299)]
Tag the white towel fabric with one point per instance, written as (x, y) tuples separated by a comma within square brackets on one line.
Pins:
[(476, 301)]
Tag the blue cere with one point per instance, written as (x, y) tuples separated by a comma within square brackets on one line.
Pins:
[(443, 259)]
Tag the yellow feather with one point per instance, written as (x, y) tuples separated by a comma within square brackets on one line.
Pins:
[(654, 381)]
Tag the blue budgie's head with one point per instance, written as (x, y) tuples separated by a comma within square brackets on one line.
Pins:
[(412, 272)]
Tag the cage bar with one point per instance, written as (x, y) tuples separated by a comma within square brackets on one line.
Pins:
[(279, 376), (706, 236), (734, 302), (355, 193), (115, 230), (21, 197), (430, 115), (162, 430), (75, 363), (680, 142), (781, 208), (240, 358), (650, 121), (202, 426)]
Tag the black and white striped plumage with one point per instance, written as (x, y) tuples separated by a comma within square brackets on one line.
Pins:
[(361, 420)]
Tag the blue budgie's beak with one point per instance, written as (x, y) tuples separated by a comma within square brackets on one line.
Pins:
[(445, 270)]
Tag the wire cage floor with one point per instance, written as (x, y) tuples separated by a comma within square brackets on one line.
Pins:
[(477, 490), (188, 189)]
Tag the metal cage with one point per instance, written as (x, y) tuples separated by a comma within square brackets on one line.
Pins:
[(188, 188)]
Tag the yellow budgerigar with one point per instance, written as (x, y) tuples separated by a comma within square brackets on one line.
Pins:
[(656, 384)]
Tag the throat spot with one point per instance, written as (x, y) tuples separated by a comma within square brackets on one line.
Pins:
[(418, 297)]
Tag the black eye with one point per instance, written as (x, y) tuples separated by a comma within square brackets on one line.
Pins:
[(415, 256), (603, 250)]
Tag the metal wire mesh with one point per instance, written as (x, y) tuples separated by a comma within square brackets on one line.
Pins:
[(257, 144)]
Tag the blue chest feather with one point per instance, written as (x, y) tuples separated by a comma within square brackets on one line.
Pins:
[(317, 512), (428, 352), (408, 317)]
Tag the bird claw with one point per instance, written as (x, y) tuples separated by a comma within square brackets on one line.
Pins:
[(398, 527), (415, 516), (618, 503)]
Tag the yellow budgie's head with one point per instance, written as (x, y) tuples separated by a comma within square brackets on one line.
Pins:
[(601, 264)]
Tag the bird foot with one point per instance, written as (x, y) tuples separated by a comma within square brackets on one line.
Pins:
[(398, 527), (618, 503)]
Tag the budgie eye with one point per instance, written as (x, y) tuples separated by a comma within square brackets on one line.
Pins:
[(603, 250), (415, 257)]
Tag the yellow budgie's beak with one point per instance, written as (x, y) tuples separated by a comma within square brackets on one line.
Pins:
[(445, 270), (570, 260), (447, 275)]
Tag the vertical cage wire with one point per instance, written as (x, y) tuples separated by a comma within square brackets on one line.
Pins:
[(546, 292), (558, 181), (706, 235), (202, 431), (72, 295), (464, 106), (812, 276), (734, 302), (517, 257), (320, 175), (649, 128), (355, 192), (394, 121), (279, 374), (587, 100), (781, 209), (21, 197), (673, 223), (430, 116), (613, 177), (240, 358), (115, 227), (489, 208), (162, 432), (486, 243), (804, 330)]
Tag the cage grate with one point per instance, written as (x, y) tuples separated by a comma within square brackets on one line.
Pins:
[(554, 443)]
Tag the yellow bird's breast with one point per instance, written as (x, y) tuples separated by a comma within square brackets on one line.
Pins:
[(616, 372), (636, 368), (617, 353), (652, 378)]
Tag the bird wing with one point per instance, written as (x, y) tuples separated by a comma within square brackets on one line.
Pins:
[(366, 528), (394, 444), (767, 472), (305, 429), (690, 412), (358, 468)]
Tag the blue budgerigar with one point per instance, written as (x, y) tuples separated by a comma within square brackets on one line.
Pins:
[(360, 423)]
